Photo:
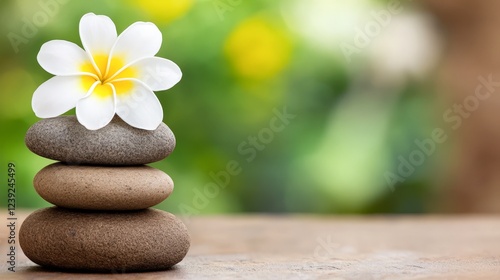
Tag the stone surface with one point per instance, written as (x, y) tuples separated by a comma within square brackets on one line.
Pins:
[(103, 188), (65, 139), (142, 240)]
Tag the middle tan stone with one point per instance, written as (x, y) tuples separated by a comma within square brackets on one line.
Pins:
[(102, 187)]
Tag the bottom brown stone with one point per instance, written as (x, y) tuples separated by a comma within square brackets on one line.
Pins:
[(141, 240)]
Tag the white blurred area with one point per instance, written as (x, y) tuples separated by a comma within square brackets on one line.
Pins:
[(405, 44), (325, 23), (409, 47)]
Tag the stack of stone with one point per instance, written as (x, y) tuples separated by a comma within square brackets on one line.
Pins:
[(102, 190)]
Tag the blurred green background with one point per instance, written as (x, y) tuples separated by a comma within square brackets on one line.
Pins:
[(358, 106)]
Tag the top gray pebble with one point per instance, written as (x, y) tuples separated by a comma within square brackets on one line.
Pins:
[(64, 139)]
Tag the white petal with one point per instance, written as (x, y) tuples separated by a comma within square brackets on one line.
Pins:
[(60, 57), (98, 33), (57, 95), (95, 111), (157, 73), (140, 107), (139, 40)]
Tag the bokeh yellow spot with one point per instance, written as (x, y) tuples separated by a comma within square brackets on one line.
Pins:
[(257, 49), (163, 11)]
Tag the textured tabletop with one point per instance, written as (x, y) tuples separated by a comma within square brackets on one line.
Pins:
[(316, 247)]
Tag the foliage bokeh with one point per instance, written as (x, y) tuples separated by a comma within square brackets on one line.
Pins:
[(242, 61)]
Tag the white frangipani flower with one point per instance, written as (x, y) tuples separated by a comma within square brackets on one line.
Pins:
[(111, 75)]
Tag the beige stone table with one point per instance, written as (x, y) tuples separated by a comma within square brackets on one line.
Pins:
[(316, 247)]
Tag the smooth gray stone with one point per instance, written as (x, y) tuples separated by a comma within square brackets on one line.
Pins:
[(64, 139)]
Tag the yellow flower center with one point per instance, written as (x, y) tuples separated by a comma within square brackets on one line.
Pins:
[(107, 76)]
